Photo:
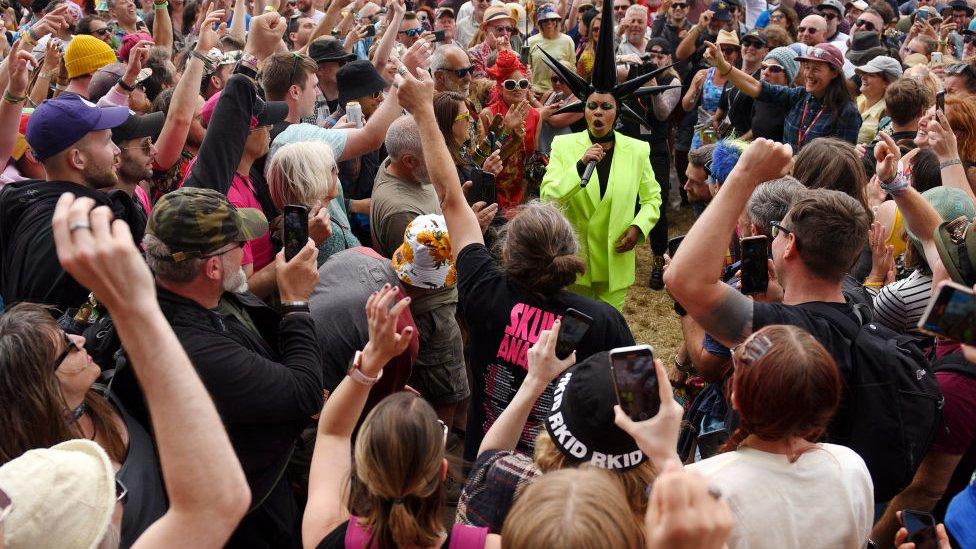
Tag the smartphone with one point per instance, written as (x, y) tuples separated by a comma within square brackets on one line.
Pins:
[(922, 15), (940, 101), (574, 326), (921, 528), (554, 97), (440, 35), (296, 229), (755, 271), (710, 443), (951, 314), (370, 31), (936, 57), (635, 381), (482, 187), (673, 245)]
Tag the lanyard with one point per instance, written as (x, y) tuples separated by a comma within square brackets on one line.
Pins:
[(801, 133)]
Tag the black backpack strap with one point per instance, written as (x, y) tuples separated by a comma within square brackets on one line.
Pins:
[(844, 323), (955, 363)]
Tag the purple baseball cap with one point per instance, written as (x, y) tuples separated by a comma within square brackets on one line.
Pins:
[(824, 53), (58, 123)]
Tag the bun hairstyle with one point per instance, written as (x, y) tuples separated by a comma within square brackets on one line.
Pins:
[(580, 508), (785, 385), (538, 249), (398, 457)]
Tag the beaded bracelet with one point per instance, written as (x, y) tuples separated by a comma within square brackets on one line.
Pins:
[(898, 185), (13, 99)]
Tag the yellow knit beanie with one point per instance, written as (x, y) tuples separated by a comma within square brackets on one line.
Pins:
[(86, 54)]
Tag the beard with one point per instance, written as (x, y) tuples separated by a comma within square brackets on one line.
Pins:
[(132, 172), (235, 283), (100, 177)]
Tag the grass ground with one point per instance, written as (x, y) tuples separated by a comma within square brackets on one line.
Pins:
[(649, 312)]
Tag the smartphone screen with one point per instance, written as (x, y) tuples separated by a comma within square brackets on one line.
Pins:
[(673, 245), (296, 229), (922, 15), (440, 35), (574, 326), (636, 381), (921, 529), (940, 100), (951, 314), (755, 272)]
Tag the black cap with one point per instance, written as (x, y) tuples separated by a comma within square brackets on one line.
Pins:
[(358, 79), (329, 49), (961, 5), (661, 43), (756, 34), (138, 126), (580, 422)]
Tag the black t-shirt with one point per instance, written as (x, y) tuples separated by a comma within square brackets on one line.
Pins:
[(768, 120), (738, 106), (765, 314), (504, 320)]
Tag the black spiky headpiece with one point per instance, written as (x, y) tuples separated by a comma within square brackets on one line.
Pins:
[(603, 79)]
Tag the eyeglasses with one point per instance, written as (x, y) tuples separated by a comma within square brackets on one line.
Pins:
[(145, 144), (775, 69), (606, 105), (101, 32), (69, 345), (828, 15), (462, 72), (778, 227), (679, 6), (510, 84), (121, 492), (504, 30), (6, 506), (866, 25), (412, 32), (463, 115)]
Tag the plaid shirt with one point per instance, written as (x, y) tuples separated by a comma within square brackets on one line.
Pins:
[(496, 480), (846, 125)]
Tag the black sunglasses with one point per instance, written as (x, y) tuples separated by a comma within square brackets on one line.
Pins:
[(828, 15), (69, 346), (462, 72), (510, 84), (101, 32), (867, 25), (412, 32), (753, 44), (679, 6)]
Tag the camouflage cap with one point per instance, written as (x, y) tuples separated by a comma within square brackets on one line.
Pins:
[(194, 222)]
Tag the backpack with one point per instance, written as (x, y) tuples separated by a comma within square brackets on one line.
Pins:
[(955, 363), (893, 405)]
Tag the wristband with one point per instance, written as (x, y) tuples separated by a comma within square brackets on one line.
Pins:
[(13, 99), (898, 185), (868, 284), (679, 310), (249, 61), (160, 6), (720, 73), (356, 372), (125, 86), (296, 307), (946, 163)]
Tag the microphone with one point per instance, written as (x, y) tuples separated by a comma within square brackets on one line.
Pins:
[(587, 173)]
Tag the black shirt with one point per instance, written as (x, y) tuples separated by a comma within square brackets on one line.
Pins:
[(738, 106), (768, 120), (507, 319)]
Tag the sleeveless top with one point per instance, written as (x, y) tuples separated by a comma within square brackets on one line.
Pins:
[(353, 536), (711, 92)]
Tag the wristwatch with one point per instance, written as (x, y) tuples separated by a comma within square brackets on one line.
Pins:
[(356, 372)]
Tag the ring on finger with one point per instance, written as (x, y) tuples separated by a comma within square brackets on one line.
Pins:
[(78, 226)]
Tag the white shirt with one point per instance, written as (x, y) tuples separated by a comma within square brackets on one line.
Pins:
[(824, 499)]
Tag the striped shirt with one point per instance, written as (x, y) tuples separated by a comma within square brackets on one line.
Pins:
[(900, 304)]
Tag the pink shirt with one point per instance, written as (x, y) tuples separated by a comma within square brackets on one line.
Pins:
[(143, 197), (257, 252)]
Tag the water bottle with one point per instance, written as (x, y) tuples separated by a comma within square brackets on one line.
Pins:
[(322, 115), (354, 113)]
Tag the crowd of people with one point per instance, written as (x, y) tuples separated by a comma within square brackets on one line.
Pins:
[(282, 273)]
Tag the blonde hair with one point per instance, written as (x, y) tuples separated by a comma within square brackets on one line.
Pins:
[(633, 482), (572, 508), (399, 454), (301, 173)]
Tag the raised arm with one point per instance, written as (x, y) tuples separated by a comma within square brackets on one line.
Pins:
[(942, 140), (686, 48), (17, 70), (327, 505), (693, 275), (238, 25), (332, 16), (162, 31), (183, 105), (749, 85), (383, 49), (205, 485), (543, 368), (53, 53), (370, 137)]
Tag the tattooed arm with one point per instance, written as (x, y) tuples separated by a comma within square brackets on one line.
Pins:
[(693, 277)]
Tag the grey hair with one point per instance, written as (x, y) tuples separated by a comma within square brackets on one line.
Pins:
[(439, 58), (771, 201), (161, 264), (403, 138), (702, 155), (301, 173)]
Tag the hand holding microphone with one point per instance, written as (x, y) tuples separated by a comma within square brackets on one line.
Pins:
[(590, 158)]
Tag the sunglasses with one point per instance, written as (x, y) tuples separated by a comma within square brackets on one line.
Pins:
[(729, 50), (510, 84), (461, 73), (504, 30), (828, 15), (679, 6), (753, 44), (775, 69), (606, 105), (69, 346), (805, 30), (144, 144), (412, 32), (463, 115), (866, 25), (101, 32)]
